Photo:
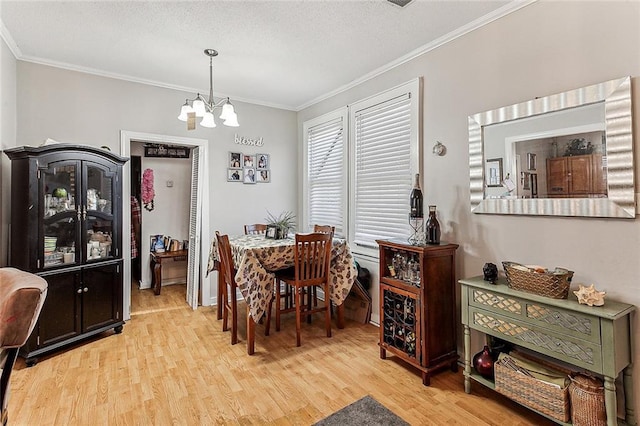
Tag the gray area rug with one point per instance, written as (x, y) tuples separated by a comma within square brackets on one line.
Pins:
[(365, 411)]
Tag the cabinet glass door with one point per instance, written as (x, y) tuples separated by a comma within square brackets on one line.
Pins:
[(60, 216), (98, 190)]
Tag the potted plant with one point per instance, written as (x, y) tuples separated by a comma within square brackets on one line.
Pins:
[(283, 223)]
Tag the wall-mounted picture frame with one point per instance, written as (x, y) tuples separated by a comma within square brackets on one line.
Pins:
[(249, 175), (235, 160), (263, 161), (531, 161), (234, 175), (249, 161), (493, 172), (525, 178), (263, 176), (534, 185)]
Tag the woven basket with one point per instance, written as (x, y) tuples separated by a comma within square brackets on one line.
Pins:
[(531, 392), (549, 284), (587, 401)]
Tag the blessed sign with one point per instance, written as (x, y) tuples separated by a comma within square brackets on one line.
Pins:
[(241, 140)]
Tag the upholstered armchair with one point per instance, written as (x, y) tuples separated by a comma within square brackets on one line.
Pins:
[(22, 295)]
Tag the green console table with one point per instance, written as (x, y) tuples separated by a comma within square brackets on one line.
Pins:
[(596, 339)]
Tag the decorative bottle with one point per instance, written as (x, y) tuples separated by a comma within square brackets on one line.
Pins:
[(483, 363), (415, 199), (433, 227)]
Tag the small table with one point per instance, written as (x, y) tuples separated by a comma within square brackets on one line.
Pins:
[(156, 265)]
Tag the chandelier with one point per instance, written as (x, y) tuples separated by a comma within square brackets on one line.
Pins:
[(201, 108)]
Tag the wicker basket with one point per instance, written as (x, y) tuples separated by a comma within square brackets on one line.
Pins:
[(531, 392), (550, 284), (587, 401)]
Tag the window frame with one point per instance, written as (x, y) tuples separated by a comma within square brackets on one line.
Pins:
[(347, 113)]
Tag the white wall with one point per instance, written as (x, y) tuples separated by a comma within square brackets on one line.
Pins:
[(544, 48), (81, 108), (7, 137)]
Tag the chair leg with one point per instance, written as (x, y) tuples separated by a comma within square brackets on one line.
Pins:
[(327, 311), (278, 297), (251, 333), (267, 326), (221, 286), (234, 316), (310, 291), (298, 292), (223, 307)]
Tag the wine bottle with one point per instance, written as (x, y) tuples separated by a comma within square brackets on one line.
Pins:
[(433, 227), (415, 199)]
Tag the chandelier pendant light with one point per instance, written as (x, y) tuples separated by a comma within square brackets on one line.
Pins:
[(202, 108)]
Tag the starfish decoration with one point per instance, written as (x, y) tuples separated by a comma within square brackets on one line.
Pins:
[(589, 295)]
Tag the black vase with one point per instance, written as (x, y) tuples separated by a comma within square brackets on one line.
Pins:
[(432, 227), (483, 363)]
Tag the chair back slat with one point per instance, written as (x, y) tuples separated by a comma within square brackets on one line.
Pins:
[(312, 255), (255, 229), (327, 229), (226, 258)]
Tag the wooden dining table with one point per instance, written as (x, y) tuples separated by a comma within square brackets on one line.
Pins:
[(256, 258)]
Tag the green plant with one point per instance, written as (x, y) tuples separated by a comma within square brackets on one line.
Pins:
[(284, 221)]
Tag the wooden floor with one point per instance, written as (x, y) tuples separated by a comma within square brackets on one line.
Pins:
[(172, 365)]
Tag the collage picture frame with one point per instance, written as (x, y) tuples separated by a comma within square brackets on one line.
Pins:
[(249, 168)]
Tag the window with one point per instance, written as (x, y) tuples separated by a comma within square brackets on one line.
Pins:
[(325, 187), (363, 181)]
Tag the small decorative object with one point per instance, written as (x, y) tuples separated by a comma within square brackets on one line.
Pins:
[(483, 363), (578, 146), (415, 199), (148, 193), (490, 272), (433, 227), (439, 149), (589, 295), (283, 223), (538, 280), (416, 213)]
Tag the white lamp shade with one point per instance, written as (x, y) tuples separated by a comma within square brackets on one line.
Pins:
[(208, 120), (184, 111), (232, 121), (227, 111), (198, 107)]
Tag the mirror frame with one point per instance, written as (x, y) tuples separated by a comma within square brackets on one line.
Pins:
[(620, 201)]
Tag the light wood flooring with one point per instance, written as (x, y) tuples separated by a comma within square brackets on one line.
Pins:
[(173, 365)]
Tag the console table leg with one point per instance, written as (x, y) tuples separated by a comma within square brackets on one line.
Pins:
[(630, 413), (610, 401), (467, 359)]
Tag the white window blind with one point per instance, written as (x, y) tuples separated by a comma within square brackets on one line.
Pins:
[(383, 170), (325, 175)]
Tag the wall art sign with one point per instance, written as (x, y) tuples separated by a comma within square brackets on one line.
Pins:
[(241, 140), (166, 151)]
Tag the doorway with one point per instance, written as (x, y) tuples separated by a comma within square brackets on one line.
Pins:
[(198, 284)]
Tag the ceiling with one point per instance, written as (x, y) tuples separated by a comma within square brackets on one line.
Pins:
[(286, 54)]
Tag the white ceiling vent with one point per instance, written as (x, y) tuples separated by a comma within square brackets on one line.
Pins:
[(401, 3)]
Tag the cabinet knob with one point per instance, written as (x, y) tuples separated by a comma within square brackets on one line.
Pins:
[(86, 289), (494, 300), (79, 291)]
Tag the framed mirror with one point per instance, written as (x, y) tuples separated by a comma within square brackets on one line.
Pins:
[(568, 154)]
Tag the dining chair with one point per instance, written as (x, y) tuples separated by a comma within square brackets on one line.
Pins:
[(311, 268), (255, 229), (328, 229), (228, 304)]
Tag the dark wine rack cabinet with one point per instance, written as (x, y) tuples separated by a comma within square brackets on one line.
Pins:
[(417, 305)]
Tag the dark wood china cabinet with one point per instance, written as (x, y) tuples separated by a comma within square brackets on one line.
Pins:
[(66, 226)]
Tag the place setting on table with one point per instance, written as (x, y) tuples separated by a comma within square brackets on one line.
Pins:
[(257, 258)]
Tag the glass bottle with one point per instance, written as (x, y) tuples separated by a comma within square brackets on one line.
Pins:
[(433, 227), (415, 199)]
